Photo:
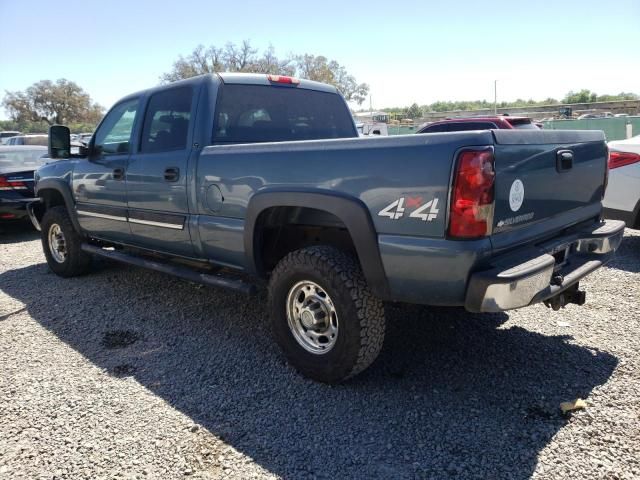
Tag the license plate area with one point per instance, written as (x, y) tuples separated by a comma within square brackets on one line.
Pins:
[(561, 254)]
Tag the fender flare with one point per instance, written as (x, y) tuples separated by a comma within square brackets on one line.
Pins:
[(62, 187), (350, 210)]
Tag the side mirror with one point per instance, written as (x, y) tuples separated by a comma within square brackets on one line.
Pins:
[(59, 141)]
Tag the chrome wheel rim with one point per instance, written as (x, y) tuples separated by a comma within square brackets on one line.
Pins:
[(57, 243), (312, 317)]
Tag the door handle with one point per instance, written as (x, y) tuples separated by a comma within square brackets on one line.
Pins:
[(171, 174), (118, 173), (564, 160)]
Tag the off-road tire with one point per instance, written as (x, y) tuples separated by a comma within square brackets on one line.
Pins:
[(360, 313), (77, 262)]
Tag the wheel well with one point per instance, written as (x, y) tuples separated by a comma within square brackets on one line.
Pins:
[(280, 230), (50, 198)]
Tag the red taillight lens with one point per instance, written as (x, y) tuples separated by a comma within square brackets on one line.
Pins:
[(11, 185), (4, 184), (283, 79), (620, 159), (471, 212)]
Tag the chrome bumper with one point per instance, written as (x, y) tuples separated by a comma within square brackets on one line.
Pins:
[(534, 275)]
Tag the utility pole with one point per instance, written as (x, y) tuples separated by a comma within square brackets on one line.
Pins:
[(495, 97)]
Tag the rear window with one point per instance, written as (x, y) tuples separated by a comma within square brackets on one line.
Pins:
[(257, 113), (523, 123)]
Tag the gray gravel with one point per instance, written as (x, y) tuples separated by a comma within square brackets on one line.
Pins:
[(132, 374)]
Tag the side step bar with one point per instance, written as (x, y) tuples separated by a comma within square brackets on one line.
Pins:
[(175, 270)]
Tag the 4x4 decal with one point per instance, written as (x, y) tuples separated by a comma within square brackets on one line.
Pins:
[(426, 212)]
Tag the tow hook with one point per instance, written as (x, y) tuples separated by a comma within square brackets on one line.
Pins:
[(571, 295)]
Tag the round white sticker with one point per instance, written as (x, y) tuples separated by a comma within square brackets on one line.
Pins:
[(516, 195)]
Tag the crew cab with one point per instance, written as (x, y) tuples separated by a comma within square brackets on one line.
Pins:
[(230, 178)]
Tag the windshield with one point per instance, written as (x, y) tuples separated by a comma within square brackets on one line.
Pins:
[(13, 160), (261, 113)]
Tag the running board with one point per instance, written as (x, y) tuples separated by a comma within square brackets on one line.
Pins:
[(175, 270)]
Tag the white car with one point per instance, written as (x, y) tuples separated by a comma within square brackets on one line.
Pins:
[(36, 139), (622, 198)]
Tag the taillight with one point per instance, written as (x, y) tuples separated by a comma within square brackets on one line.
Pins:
[(620, 159), (472, 199), (6, 184), (606, 175), (283, 79)]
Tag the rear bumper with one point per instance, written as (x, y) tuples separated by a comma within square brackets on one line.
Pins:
[(533, 275)]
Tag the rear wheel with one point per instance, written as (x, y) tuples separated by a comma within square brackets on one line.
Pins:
[(324, 317), (62, 244)]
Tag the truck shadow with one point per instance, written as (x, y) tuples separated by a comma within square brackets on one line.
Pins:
[(452, 394), (17, 231)]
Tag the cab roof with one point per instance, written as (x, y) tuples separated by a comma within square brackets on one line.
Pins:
[(235, 78)]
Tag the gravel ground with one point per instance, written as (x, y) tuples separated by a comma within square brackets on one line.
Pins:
[(126, 373)]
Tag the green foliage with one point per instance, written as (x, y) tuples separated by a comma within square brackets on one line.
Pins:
[(414, 111), (583, 96), (587, 96), (46, 102), (245, 58)]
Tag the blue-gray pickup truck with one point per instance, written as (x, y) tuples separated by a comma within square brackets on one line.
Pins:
[(229, 178)]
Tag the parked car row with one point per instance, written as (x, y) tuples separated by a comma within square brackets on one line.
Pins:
[(18, 138), (29, 139), (83, 138), (17, 167)]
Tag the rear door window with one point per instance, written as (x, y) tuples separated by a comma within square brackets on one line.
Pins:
[(263, 113), (166, 122)]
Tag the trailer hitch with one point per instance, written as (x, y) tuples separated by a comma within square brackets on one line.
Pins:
[(570, 295)]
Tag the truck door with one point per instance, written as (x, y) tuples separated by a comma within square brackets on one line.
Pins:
[(157, 173), (99, 183)]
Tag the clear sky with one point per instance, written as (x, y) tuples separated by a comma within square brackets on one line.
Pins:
[(413, 51)]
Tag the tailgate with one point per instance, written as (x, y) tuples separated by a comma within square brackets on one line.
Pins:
[(545, 181)]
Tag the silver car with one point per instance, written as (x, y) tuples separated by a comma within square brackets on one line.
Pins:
[(622, 198)]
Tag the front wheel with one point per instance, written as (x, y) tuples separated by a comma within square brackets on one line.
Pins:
[(324, 317), (62, 244)]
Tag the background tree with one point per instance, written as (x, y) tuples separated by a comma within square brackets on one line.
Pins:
[(320, 69), (45, 101), (583, 96), (414, 111), (245, 58)]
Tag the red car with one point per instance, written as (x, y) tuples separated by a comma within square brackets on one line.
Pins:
[(459, 124)]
